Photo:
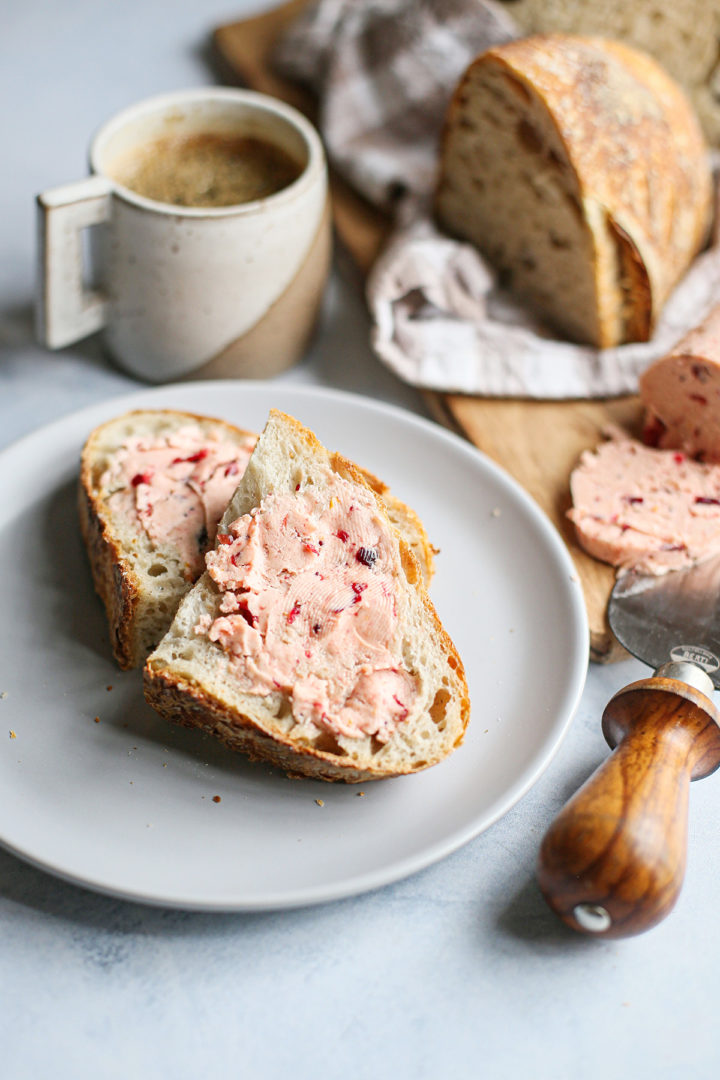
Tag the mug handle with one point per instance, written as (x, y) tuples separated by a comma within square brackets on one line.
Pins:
[(65, 309)]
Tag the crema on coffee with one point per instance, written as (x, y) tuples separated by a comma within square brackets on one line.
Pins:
[(206, 169)]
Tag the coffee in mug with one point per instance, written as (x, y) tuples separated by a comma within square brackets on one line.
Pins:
[(206, 169)]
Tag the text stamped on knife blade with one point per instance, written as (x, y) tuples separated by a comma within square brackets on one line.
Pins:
[(696, 654)]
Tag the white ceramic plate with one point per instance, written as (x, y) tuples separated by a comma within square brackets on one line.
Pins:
[(126, 805)]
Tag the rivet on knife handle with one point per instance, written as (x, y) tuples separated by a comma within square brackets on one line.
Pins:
[(613, 861)]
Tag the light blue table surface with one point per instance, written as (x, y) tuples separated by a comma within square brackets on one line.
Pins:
[(459, 971)]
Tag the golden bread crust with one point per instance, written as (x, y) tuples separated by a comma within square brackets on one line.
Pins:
[(115, 582)]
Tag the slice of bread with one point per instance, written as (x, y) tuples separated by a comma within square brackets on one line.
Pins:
[(311, 642), (141, 572), (578, 167), (142, 575)]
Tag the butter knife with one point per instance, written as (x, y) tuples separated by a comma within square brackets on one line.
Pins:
[(613, 861)]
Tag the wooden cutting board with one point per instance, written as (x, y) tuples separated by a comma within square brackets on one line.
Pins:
[(537, 442)]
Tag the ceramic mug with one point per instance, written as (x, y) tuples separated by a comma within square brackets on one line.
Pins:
[(189, 291)]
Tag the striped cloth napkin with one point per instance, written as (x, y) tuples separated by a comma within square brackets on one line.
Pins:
[(383, 72)]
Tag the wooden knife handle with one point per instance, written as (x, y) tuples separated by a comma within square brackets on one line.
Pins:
[(613, 861)]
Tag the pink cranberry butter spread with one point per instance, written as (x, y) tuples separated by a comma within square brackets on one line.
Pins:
[(681, 392), (309, 607), (646, 509), (176, 487)]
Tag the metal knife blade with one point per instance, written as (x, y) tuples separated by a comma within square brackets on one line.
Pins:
[(671, 618)]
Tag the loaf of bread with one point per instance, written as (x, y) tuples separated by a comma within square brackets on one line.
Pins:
[(681, 393), (153, 485), (683, 37), (311, 642), (578, 167)]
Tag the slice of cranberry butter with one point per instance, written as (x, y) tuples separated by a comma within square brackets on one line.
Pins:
[(681, 393), (642, 508)]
